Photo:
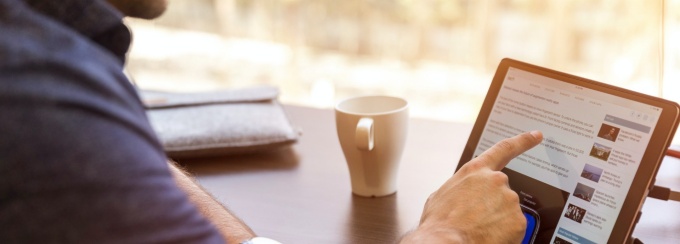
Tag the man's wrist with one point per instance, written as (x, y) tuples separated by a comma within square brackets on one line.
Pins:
[(432, 234), (260, 240)]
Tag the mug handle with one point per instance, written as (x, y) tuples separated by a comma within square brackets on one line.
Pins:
[(364, 134)]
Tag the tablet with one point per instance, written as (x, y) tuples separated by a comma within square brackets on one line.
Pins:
[(602, 147)]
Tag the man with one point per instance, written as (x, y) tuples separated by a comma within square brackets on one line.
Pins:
[(79, 162), (611, 135)]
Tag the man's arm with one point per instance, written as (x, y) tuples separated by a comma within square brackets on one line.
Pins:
[(230, 227), (476, 205)]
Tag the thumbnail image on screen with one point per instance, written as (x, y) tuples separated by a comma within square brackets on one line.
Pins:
[(592, 173), (608, 132)]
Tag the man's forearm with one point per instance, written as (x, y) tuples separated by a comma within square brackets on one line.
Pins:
[(231, 227)]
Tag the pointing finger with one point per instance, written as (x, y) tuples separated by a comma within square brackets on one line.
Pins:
[(500, 154)]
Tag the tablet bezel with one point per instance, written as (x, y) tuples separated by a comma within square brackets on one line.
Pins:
[(649, 164)]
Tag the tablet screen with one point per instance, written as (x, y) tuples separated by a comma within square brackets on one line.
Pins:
[(578, 178)]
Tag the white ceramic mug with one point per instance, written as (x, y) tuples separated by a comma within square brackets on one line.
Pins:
[(372, 132)]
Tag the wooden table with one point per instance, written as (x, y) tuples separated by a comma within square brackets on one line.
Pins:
[(302, 194)]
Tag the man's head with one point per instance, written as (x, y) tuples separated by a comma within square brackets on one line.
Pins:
[(145, 9), (612, 131)]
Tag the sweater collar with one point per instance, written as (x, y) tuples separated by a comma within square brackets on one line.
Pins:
[(96, 19)]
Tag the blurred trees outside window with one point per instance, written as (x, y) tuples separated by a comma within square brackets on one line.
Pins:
[(438, 54)]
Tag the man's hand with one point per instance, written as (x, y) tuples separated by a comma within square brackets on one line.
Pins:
[(476, 205)]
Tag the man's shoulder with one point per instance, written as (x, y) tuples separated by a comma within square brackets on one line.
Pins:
[(30, 36), (77, 153)]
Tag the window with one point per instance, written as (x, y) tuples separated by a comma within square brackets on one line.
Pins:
[(438, 54)]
